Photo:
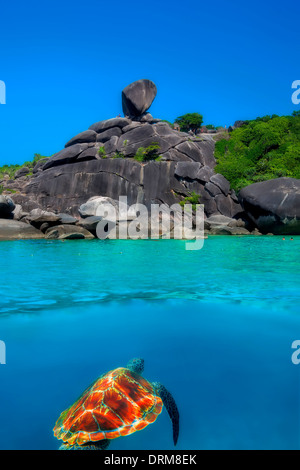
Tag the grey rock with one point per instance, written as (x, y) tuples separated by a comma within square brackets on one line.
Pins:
[(18, 212), (274, 205), (27, 202), (138, 97), (67, 155), (207, 148), (83, 137), (237, 223), (67, 187), (67, 232), (139, 137), (88, 154), (6, 206), (176, 156), (219, 220), (220, 181), (225, 205), (111, 145), (90, 209), (163, 129), (137, 134), (22, 172), (130, 149), (40, 164), (187, 169), (226, 230), (44, 227), (233, 195), (90, 223), (16, 230), (131, 126), (66, 219), (204, 174), (257, 232), (212, 189), (190, 149), (38, 216), (147, 117), (102, 126), (106, 135)]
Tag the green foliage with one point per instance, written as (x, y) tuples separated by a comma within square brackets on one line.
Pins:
[(193, 199), (10, 170), (12, 191), (102, 152), (145, 154), (265, 148), (118, 155), (190, 121)]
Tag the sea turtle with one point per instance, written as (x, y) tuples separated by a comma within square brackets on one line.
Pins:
[(118, 403)]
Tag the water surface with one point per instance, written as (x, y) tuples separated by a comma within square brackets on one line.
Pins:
[(214, 325)]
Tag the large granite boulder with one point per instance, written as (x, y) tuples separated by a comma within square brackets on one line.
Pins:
[(138, 97), (22, 172), (274, 205), (91, 208), (90, 223), (66, 219), (86, 136), (6, 206), (110, 159), (65, 187), (39, 216), (68, 232), (102, 126), (19, 213), (15, 230), (39, 165), (222, 225), (67, 155)]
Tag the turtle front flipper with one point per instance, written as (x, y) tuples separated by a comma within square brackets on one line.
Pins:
[(171, 407)]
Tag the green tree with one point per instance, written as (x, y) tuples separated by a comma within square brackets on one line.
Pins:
[(265, 148), (190, 121), (144, 154)]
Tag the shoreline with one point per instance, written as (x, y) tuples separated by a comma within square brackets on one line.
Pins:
[(206, 237)]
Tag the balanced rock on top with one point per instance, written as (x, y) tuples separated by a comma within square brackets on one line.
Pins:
[(138, 97)]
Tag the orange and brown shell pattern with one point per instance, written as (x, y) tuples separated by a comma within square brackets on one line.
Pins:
[(117, 404)]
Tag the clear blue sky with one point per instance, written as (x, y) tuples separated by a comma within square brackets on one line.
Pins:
[(65, 63)]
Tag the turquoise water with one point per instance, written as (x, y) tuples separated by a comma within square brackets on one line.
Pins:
[(214, 325)]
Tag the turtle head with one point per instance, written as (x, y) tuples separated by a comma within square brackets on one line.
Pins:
[(136, 365)]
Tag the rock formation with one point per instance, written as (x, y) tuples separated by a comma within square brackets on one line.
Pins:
[(148, 161), (7, 206), (274, 205), (138, 97), (101, 161)]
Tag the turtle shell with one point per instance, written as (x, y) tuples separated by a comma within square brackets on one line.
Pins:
[(117, 404)]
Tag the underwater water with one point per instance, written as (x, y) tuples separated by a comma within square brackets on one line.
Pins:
[(215, 326)]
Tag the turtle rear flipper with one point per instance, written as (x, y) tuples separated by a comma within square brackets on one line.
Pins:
[(171, 407)]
